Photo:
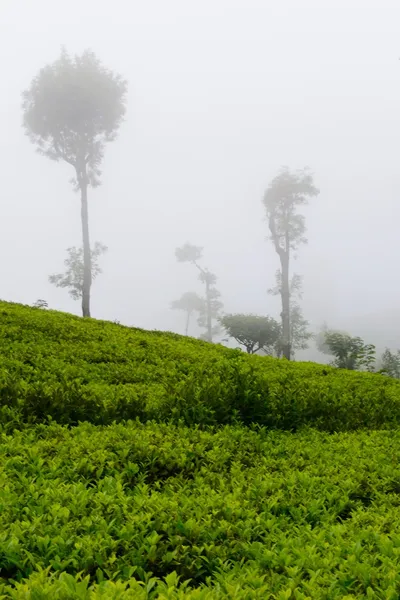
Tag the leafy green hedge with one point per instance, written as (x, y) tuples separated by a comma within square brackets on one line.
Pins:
[(60, 366), (158, 511)]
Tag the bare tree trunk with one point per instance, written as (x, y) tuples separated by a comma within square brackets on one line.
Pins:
[(283, 253), (187, 322), (209, 316), (87, 262), (285, 295)]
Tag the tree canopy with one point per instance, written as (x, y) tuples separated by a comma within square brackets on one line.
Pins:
[(254, 332), (189, 302), (285, 194), (72, 108), (350, 352)]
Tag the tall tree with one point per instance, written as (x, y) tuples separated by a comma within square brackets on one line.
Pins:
[(193, 254), (189, 303), (73, 107), (74, 277), (285, 194), (256, 333)]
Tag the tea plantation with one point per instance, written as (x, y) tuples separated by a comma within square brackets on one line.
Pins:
[(141, 465)]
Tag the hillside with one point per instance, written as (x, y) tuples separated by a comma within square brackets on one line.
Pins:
[(188, 479), (54, 365)]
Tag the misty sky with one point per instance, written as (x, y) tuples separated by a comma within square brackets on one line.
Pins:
[(222, 93)]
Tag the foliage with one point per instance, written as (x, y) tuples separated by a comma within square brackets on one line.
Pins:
[(285, 194), (70, 369), (300, 335), (73, 107), (189, 253), (254, 332), (180, 484), (160, 511), (320, 339), (189, 303), (299, 328), (350, 352), (40, 303), (72, 279), (212, 305), (210, 309), (390, 363)]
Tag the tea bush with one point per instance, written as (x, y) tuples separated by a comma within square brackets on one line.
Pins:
[(69, 369), (157, 511), (147, 465)]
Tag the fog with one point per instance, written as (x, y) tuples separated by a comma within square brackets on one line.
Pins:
[(222, 93)]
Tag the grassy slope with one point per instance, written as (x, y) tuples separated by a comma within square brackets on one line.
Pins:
[(236, 512), (54, 364)]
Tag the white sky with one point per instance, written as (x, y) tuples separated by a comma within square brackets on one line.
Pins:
[(222, 93)]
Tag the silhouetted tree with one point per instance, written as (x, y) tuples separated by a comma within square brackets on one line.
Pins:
[(192, 254), (40, 303), (256, 333), (189, 303), (285, 194), (74, 277), (71, 110)]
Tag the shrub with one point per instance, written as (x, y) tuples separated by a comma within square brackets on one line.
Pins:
[(54, 365)]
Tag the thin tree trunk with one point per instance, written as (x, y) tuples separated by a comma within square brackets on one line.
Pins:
[(209, 316), (187, 322), (87, 262), (205, 278), (285, 294), (283, 253)]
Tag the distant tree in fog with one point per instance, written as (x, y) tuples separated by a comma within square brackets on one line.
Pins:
[(74, 277), (189, 303), (256, 333), (40, 303), (300, 334), (73, 107), (320, 340), (390, 363), (193, 254), (211, 310), (349, 352), (286, 192)]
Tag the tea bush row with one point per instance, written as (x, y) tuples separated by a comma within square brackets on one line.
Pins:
[(158, 511), (59, 366)]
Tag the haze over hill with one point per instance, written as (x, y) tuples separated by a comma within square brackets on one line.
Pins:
[(221, 94)]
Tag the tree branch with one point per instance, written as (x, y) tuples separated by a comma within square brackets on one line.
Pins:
[(200, 268), (274, 234)]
